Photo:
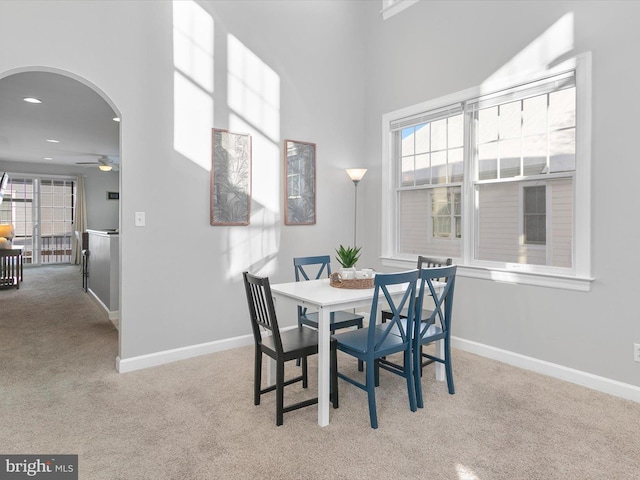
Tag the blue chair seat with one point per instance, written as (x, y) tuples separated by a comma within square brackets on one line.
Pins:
[(433, 332), (355, 342), (339, 320)]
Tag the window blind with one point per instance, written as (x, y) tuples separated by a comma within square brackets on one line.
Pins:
[(526, 90)]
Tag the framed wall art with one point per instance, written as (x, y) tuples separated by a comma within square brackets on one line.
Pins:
[(300, 183), (230, 178)]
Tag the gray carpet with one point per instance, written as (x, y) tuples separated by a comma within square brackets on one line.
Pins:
[(195, 419)]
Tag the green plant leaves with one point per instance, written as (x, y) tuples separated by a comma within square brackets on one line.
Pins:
[(347, 257)]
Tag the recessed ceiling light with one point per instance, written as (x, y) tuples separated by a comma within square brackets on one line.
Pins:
[(48, 158), (52, 140), (116, 119), (32, 100)]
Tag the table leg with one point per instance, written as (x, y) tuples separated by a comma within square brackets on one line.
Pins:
[(324, 334)]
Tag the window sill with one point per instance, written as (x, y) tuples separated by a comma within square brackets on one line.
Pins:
[(565, 282)]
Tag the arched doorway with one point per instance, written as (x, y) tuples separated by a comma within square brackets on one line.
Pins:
[(56, 127)]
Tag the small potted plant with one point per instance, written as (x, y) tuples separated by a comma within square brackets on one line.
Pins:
[(347, 257)]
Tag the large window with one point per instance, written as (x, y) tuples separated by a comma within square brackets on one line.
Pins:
[(495, 177), (41, 211)]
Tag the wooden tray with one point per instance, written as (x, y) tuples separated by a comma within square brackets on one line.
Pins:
[(335, 280)]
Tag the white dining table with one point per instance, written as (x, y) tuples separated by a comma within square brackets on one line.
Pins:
[(320, 296)]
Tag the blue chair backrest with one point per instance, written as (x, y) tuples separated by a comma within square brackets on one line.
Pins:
[(397, 325), (323, 262), (442, 297)]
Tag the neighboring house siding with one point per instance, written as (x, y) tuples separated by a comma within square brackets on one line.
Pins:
[(562, 222), (500, 225), (498, 222), (413, 223)]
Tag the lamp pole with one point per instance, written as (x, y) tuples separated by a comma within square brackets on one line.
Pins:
[(355, 174), (355, 212)]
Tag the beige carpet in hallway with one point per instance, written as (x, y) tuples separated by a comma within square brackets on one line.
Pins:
[(195, 419)]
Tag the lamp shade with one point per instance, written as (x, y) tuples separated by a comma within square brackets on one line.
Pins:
[(356, 174), (7, 231), (105, 168)]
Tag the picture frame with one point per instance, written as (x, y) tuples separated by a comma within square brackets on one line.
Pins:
[(230, 178), (300, 183)]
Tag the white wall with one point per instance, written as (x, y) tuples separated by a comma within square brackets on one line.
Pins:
[(181, 277), (340, 68), (101, 213), (439, 47)]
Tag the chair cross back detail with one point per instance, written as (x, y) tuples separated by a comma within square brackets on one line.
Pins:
[(394, 324), (301, 262), (427, 277)]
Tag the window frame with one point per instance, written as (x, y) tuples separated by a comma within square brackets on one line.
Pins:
[(578, 277)]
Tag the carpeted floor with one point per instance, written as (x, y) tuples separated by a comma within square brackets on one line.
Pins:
[(195, 419)]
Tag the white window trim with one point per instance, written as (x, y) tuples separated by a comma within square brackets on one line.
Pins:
[(580, 279)]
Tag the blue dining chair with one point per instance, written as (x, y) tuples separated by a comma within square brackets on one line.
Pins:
[(423, 262), (378, 340), (318, 267), (436, 325)]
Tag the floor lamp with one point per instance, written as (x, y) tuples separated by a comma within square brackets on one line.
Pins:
[(355, 174)]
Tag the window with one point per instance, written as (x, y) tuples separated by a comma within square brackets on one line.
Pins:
[(498, 181), (41, 211), (535, 215), (446, 213)]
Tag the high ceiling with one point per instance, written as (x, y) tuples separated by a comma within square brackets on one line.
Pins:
[(70, 112)]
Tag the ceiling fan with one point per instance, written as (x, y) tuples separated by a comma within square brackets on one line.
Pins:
[(104, 163)]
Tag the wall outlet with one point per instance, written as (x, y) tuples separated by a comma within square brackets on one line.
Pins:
[(636, 352)]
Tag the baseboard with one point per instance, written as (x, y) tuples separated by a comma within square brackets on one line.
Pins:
[(114, 315), (595, 382), (168, 356)]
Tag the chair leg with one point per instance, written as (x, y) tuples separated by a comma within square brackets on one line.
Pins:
[(279, 393), (360, 362), (371, 394), (257, 377), (408, 373), (334, 373), (305, 378), (417, 374), (447, 365)]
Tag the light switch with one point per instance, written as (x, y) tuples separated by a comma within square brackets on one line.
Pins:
[(139, 221)]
